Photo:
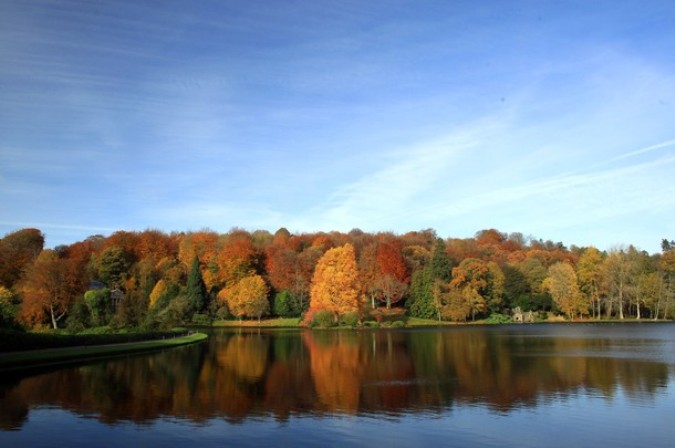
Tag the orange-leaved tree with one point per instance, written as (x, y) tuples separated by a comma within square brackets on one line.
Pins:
[(49, 287), (335, 284)]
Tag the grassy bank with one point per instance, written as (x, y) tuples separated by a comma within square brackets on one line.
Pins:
[(46, 357), (11, 341), (288, 322), (294, 322)]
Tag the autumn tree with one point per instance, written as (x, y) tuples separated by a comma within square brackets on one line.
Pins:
[(237, 258), (619, 277), (335, 285), (203, 245), (17, 250), (589, 274), (368, 272), (49, 287), (562, 285), (392, 271), (247, 297), (667, 269), (383, 273), (391, 290), (649, 287), (483, 283), (157, 292), (458, 303)]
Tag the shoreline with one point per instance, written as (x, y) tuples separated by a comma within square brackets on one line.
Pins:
[(11, 361)]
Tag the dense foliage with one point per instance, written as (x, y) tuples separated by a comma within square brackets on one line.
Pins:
[(153, 280)]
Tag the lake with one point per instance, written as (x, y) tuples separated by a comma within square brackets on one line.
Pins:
[(533, 385)]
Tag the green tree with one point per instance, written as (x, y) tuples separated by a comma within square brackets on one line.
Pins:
[(517, 290), (196, 289), (7, 315), (79, 316), (441, 266), (285, 304), (100, 306), (420, 301), (495, 287), (112, 267)]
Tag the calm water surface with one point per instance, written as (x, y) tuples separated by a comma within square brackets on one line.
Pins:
[(522, 386)]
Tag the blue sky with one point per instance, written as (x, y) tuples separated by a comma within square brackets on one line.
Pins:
[(551, 118)]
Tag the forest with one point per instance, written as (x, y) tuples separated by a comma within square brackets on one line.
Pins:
[(152, 280)]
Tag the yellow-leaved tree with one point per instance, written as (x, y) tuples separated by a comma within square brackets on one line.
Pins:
[(247, 297), (335, 284), (561, 283)]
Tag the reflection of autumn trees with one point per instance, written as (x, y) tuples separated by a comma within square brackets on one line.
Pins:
[(244, 374), (337, 369)]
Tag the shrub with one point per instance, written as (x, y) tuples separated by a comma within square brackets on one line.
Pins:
[(350, 319), (201, 319), (7, 318), (398, 324), (496, 318), (322, 319), (223, 313)]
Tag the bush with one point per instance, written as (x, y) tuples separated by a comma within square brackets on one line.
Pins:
[(496, 318), (201, 319), (322, 319), (350, 319), (398, 324), (223, 313), (7, 319)]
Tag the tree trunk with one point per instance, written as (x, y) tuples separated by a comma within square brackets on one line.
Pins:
[(54, 317), (621, 299)]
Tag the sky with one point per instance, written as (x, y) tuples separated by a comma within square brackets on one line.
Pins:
[(555, 119)]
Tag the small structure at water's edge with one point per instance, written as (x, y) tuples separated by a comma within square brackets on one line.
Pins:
[(522, 317)]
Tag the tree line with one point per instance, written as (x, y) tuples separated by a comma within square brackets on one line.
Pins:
[(154, 279)]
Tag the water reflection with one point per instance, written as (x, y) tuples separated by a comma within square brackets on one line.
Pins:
[(238, 375)]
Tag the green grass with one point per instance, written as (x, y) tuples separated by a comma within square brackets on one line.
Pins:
[(419, 322), (294, 322), (281, 322), (11, 341), (46, 357)]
